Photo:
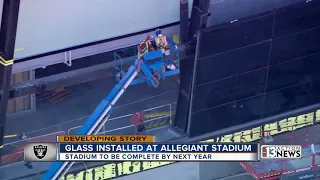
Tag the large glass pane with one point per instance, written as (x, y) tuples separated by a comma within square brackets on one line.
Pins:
[(232, 63), (297, 18), (294, 72), (236, 35), (227, 115), (229, 89), (228, 10), (293, 97), (295, 46)]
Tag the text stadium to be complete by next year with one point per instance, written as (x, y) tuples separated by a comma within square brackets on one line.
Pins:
[(156, 152)]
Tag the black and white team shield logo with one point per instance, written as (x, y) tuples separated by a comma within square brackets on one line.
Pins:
[(40, 151)]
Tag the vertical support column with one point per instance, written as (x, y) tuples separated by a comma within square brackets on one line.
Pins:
[(187, 70), (8, 31), (32, 96), (184, 21), (199, 15)]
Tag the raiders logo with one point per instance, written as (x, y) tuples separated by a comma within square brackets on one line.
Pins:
[(40, 151)]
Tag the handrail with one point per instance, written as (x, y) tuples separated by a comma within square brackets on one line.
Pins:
[(129, 115), (283, 168), (131, 126), (27, 139)]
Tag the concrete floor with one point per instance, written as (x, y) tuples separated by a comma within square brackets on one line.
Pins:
[(73, 112)]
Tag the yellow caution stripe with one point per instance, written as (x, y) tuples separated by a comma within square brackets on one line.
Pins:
[(11, 136), (154, 115), (19, 49), (6, 62)]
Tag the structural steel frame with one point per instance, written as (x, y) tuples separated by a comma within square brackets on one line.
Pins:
[(7, 41), (199, 14), (69, 55)]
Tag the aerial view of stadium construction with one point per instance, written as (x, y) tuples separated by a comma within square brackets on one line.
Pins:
[(160, 90)]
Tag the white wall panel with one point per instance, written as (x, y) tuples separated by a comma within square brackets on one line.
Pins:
[(49, 25)]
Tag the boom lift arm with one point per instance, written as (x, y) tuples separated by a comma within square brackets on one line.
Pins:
[(103, 111), (101, 114)]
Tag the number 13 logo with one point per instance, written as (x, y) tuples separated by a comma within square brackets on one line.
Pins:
[(271, 151)]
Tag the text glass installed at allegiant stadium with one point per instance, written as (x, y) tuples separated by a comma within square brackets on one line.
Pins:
[(257, 67)]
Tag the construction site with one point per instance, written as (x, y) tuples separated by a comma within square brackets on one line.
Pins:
[(243, 73)]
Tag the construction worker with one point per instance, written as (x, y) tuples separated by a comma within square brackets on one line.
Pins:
[(164, 43), (145, 46), (138, 121)]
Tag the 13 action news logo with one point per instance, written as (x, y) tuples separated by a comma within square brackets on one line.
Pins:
[(281, 151)]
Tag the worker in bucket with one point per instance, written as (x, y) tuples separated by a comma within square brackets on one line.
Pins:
[(164, 43), (145, 47)]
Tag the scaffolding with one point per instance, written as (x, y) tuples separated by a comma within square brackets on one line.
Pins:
[(272, 169)]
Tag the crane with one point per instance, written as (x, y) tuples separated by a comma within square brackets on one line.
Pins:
[(141, 71)]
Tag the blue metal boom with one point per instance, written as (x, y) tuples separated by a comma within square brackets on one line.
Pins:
[(101, 114)]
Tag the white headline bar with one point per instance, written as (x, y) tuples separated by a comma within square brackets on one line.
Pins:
[(158, 157)]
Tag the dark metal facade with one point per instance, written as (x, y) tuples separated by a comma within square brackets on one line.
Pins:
[(257, 67), (7, 41)]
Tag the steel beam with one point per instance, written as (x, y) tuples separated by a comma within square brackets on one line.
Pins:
[(75, 77), (199, 15), (198, 20), (69, 78), (74, 54), (184, 21), (8, 31)]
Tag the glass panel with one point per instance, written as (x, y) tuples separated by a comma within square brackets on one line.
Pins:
[(226, 10), (295, 46), (230, 58), (227, 115), (294, 72), (236, 36), (297, 18), (293, 97), (228, 90), (232, 63)]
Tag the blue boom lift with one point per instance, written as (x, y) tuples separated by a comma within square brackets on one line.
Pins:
[(141, 71)]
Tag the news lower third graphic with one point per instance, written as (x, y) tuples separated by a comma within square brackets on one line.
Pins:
[(281, 151), (44, 152)]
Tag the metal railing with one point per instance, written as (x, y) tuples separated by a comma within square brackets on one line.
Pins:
[(152, 115), (273, 169)]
